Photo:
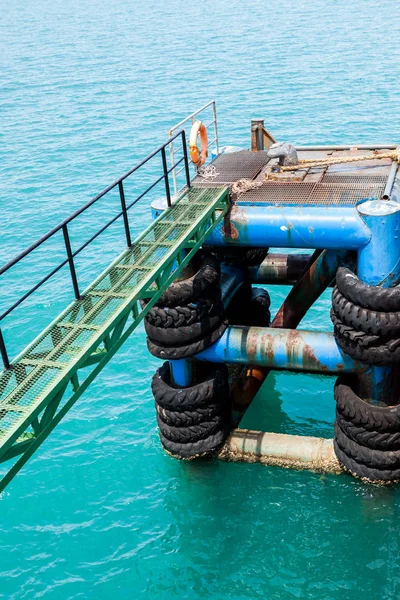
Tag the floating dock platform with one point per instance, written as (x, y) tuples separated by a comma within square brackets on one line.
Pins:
[(313, 217)]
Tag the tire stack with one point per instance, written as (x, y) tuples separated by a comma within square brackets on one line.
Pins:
[(189, 317), (192, 421), (367, 327)]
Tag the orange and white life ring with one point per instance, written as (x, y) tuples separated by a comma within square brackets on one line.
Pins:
[(198, 158)]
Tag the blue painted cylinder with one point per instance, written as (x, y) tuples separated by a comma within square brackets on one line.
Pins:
[(379, 260), (323, 227), (378, 263), (182, 372), (158, 206), (295, 350)]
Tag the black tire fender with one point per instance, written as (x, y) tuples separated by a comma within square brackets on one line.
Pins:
[(364, 472), (369, 321), (203, 284), (180, 316), (191, 434), (362, 347), (186, 351), (176, 336), (368, 296), (214, 389), (365, 437), (375, 459), (195, 449), (187, 418), (351, 407)]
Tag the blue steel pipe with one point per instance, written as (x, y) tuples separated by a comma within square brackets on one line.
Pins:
[(315, 227), (294, 350), (378, 263)]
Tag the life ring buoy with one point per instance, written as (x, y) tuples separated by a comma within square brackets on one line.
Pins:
[(198, 158)]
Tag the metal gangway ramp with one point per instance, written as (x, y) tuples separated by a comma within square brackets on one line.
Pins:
[(42, 383)]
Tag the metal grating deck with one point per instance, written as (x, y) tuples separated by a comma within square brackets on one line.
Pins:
[(335, 188), (73, 340), (326, 194), (353, 179), (233, 166)]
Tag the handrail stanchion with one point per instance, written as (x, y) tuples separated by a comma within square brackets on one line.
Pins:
[(165, 168), (124, 214), (3, 352), (71, 262), (186, 161), (172, 158), (214, 105)]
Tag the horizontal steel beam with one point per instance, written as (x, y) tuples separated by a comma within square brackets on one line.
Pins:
[(279, 268), (290, 349), (281, 450), (320, 227)]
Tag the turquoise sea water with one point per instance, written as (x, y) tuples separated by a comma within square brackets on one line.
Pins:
[(87, 89)]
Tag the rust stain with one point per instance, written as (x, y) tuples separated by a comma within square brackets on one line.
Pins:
[(267, 345), (251, 344), (233, 221), (310, 361), (293, 345)]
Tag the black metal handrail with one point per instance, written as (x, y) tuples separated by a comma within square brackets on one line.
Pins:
[(63, 226)]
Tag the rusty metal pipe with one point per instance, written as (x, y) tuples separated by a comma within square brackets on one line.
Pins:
[(279, 226), (303, 293), (282, 450), (279, 268), (308, 289), (288, 349)]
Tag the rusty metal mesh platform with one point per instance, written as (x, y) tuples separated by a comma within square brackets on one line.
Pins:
[(340, 193), (335, 187), (233, 166), (355, 179)]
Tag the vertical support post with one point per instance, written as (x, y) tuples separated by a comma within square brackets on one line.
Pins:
[(165, 169), (124, 214), (182, 372), (257, 136), (172, 159), (186, 161), (378, 263), (71, 262), (214, 105), (3, 352), (390, 180)]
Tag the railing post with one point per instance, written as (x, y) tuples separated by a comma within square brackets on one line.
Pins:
[(71, 262), (3, 352), (165, 168), (124, 214), (214, 105), (172, 157), (186, 161)]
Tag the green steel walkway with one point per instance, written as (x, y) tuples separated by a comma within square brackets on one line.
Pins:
[(45, 380)]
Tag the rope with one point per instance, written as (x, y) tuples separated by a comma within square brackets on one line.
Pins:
[(241, 186), (325, 162), (208, 172), (238, 188)]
